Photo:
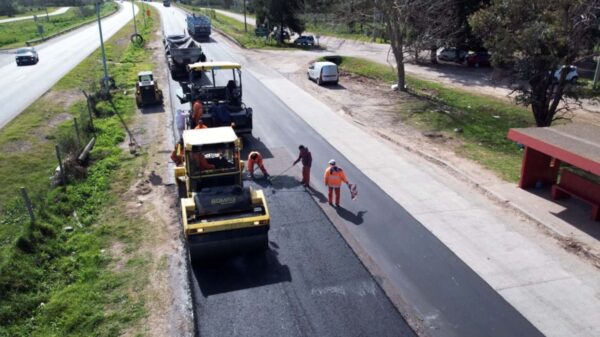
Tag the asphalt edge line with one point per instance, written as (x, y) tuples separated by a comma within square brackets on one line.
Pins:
[(182, 255)]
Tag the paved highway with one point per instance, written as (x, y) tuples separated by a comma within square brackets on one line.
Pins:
[(310, 283), (21, 86)]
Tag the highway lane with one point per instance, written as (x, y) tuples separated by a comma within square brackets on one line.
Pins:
[(21, 86), (309, 283), (449, 298)]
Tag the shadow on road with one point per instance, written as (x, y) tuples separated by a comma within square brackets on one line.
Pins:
[(345, 214), (255, 144), (242, 272), (152, 109)]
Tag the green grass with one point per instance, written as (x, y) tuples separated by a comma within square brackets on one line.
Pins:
[(15, 34), (484, 120), (63, 283), (31, 11)]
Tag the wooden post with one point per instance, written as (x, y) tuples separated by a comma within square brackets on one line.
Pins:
[(28, 204), (77, 132), (63, 176), (89, 107)]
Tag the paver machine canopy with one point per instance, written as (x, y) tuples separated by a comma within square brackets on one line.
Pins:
[(221, 216), (218, 86)]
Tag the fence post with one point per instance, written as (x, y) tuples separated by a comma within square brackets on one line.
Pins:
[(28, 204), (77, 132), (89, 108), (63, 176)]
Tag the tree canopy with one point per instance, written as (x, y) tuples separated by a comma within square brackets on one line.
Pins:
[(280, 13), (534, 38)]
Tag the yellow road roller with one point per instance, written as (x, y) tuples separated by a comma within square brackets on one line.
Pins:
[(221, 217)]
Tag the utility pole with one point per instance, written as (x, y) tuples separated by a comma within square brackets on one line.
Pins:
[(245, 25), (106, 79), (597, 73), (133, 13)]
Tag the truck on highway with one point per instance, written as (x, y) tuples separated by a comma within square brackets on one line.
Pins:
[(221, 217), (198, 26), (218, 86), (182, 50)]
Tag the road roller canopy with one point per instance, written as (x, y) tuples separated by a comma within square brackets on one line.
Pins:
[(219, 135), (207, 66)]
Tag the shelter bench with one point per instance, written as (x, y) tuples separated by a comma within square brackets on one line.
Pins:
[(579, 187)]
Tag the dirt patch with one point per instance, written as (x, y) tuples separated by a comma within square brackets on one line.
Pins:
[(59, 119), (63, 98), (17, 146)]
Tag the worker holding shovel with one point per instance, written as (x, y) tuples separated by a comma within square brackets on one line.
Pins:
[(255, 158), (306, 159)]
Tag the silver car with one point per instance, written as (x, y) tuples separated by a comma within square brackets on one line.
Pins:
[(27, 55)]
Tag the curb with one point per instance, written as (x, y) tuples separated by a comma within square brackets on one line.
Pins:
[(565, 241), (49, 37)]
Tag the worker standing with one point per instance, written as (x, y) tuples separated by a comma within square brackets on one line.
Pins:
[(180, 119), (255, 158), (334, 176), (306, 158), (198, 111)]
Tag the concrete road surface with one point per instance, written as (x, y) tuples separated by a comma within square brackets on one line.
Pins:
[(309, 283), (21, 86), (59, 11)]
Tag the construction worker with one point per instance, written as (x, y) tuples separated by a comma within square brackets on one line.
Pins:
[(255, 158), (200, 125), (334, 176), (177, 154), (180, 119), (201, 161), (198, 111), (306, 158)]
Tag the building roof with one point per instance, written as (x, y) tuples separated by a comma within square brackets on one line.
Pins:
[(577, 144), (224, 134), (201, 66)]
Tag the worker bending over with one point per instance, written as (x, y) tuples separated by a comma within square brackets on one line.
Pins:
[(334, 176), (255, 158)]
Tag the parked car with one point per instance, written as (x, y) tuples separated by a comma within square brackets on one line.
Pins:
[(305, 40), (27, 55), (478, 59), (572, 75), (451, 54), (323, 72)]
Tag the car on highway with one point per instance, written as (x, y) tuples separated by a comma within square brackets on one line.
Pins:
[(323, 72), (451, 54), (572, 74), (478, 59), (27, 55), (305, 40)]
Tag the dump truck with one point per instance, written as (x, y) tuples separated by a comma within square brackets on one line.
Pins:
[(218, 86), (182, 50), (221, 217), (199, 26)]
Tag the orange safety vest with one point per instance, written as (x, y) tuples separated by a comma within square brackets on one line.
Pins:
[(201, 126), (334, 176), (258, 161), (198, 112)]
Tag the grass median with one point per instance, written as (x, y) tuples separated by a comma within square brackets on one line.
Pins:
[(15, 34), (59, 276), (29, 11), (480, 122)]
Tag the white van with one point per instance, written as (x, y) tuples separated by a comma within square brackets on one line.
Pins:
[(323, 72)]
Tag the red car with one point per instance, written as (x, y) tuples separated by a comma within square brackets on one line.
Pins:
[(478, 59)]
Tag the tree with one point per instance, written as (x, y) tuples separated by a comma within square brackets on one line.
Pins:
[(281, 14), (409, 22), (534, 38)]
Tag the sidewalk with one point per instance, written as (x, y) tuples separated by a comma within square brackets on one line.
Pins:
[(555, 290), (59, 11)]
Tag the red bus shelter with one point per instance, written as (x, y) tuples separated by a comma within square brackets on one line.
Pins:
[(546, 148)]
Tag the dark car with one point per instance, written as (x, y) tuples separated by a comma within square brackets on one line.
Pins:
[(478, 59), (27, 55), (305, 40)]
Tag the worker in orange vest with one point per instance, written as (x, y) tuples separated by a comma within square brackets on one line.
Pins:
[(200, 125), (334, 176), (177, 154), (255, 158), (198, 111)]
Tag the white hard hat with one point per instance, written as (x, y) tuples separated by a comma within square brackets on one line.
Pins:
[(332, 162)]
